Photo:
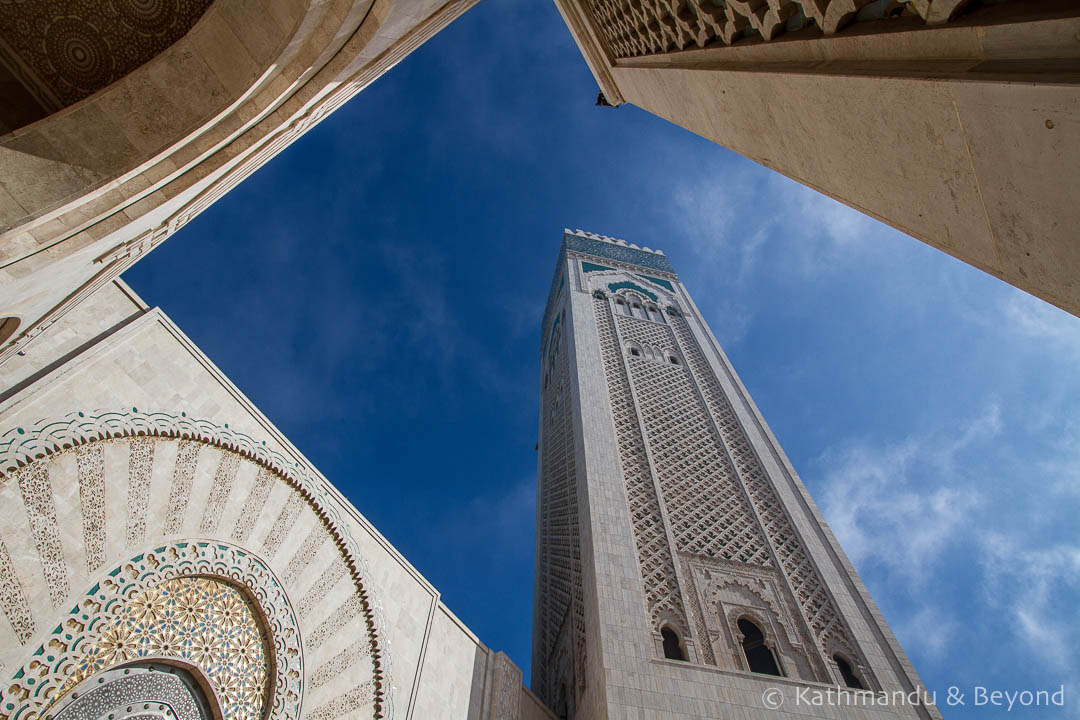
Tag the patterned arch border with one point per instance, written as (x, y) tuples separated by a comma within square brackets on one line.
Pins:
[(46, 677), (20, 447)]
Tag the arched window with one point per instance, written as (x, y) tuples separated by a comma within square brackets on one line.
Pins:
[(847, 673), (635, 352), (672, 647), (654, 313), (620, 306), (758, 656), (562, 701), (673, 358)]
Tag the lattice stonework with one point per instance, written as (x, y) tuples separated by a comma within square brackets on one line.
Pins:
[(560, 588), (706, 506), (645, 27), (808, 587), (654, 555)]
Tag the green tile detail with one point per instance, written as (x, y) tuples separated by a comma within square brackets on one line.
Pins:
[(592, 267), (658, 281), (614, 287)]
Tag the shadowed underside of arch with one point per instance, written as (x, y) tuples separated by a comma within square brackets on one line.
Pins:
[(57, 52), (91, 188), (145, 690)]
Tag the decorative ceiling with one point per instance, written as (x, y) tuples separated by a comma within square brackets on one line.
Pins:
[(62, 51)]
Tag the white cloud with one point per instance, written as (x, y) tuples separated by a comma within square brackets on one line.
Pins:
[(1062, 469), (753, 230), (1038, 321), (937, 644), (1034, 584), (709, 212), (902, 505), (942, 526)]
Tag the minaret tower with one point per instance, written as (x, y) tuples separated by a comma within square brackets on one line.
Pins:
[(681, 565)]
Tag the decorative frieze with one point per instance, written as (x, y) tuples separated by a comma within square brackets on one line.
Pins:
[(25, 457), (90, 461), (12, 599), (219, 491), (187, 458), (645, 27), (338, 619), (283, 524), (41, 512), (140, 465), (349, 702), (256, 499)]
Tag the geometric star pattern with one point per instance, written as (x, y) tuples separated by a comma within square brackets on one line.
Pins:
[(206, 622)]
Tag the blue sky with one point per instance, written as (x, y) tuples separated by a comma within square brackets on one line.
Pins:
[(377, 291)]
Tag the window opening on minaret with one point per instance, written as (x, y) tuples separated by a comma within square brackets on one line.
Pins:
[(849, 676), (635, 352), (758, 655), (672, 647)]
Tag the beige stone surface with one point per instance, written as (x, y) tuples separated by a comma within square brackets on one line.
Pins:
[(87, 190), (114, 354), (965, 136)]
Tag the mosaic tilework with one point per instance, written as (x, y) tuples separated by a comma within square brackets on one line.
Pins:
[(189, 601), (626, 285), (659, 281), (23, 448), (622, 253), (600, 247), (199, 619)]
